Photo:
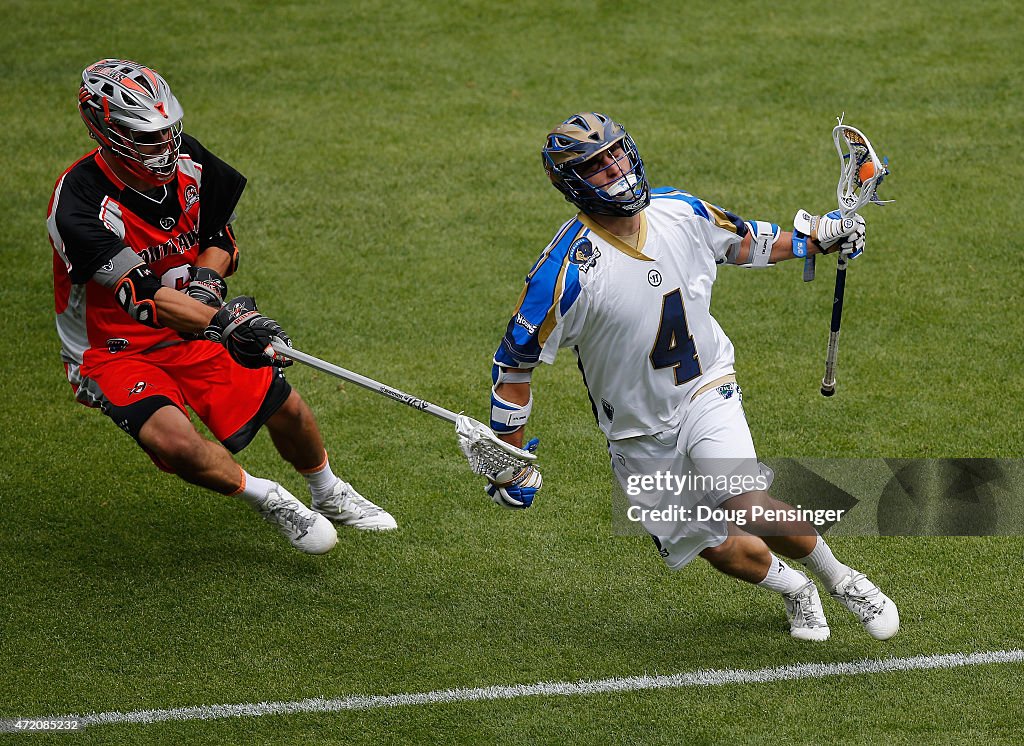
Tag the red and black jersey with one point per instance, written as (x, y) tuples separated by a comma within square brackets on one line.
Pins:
[(93, 216)]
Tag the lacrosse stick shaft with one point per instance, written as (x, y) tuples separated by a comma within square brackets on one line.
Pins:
[(367, 383), (828, 382), (860, 154)]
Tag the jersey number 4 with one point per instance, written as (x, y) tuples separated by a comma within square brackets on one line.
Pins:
[(673, 347)]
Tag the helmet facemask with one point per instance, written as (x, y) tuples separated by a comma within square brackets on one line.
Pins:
[(151, 156)]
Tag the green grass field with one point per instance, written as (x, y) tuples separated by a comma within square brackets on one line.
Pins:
[(395, 202)]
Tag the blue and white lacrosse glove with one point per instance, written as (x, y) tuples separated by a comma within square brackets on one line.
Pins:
[(516, 489), (832, 232)]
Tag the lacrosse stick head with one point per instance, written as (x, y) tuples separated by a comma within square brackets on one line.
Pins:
[(861, 170), (488, 455)]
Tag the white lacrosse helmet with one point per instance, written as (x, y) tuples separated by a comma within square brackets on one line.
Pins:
[(130, 110)]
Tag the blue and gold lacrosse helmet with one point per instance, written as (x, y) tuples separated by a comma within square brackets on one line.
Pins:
[(578, 139)]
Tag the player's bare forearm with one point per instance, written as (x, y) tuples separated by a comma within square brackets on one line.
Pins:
[(782, 249), (179, 312), (216, 259), (517, 393)]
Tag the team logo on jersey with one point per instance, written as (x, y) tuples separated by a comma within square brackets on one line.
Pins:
[(167, 223), (116, 344), (727, 390), (583, 253), (609, 410), (138, 388), (654, 277), (191, 196)]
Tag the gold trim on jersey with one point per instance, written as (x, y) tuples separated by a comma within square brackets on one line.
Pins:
[(722, 380), (720, 218), (548, 325), (616, 241)]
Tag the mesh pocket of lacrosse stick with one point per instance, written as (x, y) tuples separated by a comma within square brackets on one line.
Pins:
[(488, 454), (855, 152)]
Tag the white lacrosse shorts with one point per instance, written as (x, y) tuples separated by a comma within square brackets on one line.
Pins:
[(676, 481)]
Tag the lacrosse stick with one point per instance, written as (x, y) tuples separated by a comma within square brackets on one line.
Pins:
[(487, 454), (860, 174)]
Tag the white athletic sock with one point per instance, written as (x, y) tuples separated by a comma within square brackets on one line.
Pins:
[(321, 480), (253, 489), (782, 578), (824, 564)]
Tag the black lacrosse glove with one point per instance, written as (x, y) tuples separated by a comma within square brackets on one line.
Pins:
[(206, 286), (247, 334)]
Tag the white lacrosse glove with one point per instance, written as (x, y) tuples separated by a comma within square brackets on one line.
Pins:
[(516, 488), (833, 232)]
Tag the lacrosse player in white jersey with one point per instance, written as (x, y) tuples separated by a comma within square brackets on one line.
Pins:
[(627, 284)]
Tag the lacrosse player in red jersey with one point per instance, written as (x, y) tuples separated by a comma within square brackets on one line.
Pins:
[(142, 244), (627, 284)]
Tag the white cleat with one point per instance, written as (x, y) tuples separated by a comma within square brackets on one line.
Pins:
[(806, 616), (875, 610), (347, 507), (305, 530)]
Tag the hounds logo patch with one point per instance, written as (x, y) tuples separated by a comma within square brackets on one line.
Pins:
[(609, 410), (583, 253), (525, 323), (116, 344)]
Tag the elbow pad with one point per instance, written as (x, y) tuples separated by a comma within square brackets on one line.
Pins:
[(224, 239), (136, 294)]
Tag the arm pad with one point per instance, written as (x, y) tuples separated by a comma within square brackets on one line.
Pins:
[(763, 237), (136, 294), (507, 417)]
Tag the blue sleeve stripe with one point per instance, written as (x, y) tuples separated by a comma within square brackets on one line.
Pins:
[(677, 194), (713, 214), (558, 242), (572, 288), (552, 286)]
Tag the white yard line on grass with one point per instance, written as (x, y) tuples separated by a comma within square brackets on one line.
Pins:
[(549, 689)]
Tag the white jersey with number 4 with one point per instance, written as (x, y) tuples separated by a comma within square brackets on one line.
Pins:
[(640, 322)]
